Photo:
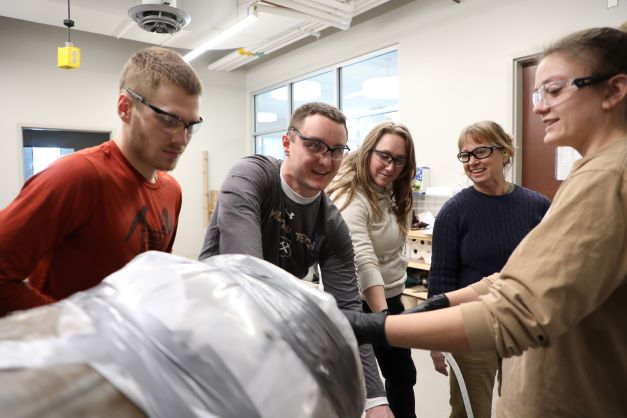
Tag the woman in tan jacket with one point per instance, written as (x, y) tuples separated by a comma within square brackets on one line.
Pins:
[(556, 311)]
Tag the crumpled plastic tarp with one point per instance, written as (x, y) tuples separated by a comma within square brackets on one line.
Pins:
[(231, 336)]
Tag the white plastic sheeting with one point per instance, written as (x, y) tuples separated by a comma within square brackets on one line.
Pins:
[(232, 336)]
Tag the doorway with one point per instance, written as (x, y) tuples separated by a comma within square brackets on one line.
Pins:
[(537, 160), (42, 146)]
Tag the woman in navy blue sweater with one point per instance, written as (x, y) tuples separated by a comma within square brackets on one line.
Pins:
[(474, 234)]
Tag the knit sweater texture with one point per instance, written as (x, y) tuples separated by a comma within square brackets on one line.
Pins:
[(475, 233)]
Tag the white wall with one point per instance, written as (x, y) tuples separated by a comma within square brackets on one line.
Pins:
[(455, 62), (455, 68), (35, 92)]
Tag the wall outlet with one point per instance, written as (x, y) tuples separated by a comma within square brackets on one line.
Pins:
[(612, 3)]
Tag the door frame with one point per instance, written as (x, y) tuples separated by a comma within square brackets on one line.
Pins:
[(517, 109)]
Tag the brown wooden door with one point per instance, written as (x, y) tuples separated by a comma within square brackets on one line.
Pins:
[(538, 159)]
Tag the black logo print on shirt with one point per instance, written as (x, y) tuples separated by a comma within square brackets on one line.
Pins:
[(151, 238), (276, 215)]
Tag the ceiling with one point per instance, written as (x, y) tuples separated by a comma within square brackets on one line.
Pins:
[(279, 22)]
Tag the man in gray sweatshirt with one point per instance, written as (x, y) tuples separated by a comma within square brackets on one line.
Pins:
[(277, 210)]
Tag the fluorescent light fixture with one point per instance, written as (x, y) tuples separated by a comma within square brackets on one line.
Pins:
[(221, 37), (235, 60), (317, 8), (315, 16), (342, 5), (365, 5)]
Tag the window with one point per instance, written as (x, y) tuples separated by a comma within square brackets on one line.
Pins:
[(270, 144), (320, 88), (358, 127), (366, 90), (369, 94), (41, 147), (272, 114)]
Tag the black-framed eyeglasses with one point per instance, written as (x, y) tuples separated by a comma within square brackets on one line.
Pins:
[(170, 121), (479, 153), (550, 91), (387, 158), (316, 146)]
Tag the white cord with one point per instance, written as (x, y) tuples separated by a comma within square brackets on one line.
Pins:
[(460, 380)]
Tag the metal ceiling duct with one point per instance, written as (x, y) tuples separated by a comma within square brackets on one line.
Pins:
[(159, 18)]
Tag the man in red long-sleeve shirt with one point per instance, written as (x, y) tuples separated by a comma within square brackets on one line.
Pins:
[(91, 212)]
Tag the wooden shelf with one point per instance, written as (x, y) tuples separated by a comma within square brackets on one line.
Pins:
[(419, 234), (415, 235), (420, 265), (411, 296)]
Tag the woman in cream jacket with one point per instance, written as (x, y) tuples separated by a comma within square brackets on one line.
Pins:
[(373, 191)]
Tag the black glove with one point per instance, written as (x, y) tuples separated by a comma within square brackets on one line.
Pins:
[(369, 328), (434, 302)]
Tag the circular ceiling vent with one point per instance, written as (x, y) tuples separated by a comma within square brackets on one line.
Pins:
[(159, 18)]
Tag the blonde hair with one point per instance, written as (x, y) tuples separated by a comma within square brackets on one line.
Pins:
[(354, 175), (491, 132)]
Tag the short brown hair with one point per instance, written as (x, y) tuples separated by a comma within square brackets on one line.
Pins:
[(604, 50), (148, 68), (316, 108), (488, 131)]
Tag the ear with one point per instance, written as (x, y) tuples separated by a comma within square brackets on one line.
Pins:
[(286, 142), (124, 107), (506, 158), (616, 91)]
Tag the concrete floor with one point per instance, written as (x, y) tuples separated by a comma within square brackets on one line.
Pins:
[(432, 389)]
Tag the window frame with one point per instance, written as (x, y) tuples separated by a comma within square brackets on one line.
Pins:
[(336, 69)]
